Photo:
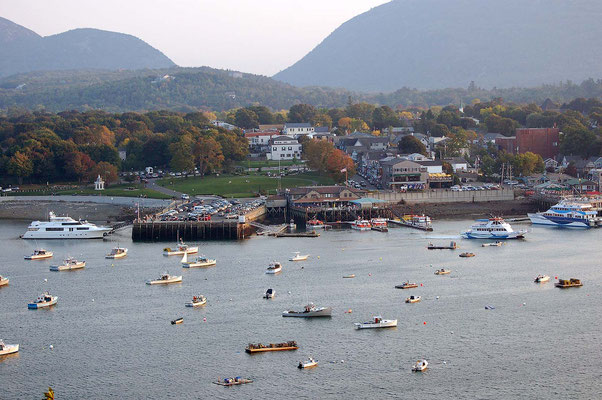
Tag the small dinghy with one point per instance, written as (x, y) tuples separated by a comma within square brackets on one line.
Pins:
[(197, 301), (420, 366), (310, 363), (413, 299), (269, 294), (542, 279), (177, 321), (8, 348), (233, 381), (298, 257), (488, 307)]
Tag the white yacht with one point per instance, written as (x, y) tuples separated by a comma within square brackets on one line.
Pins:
[(493, 228), (274, 268), (198, 262), (39, 254), (64, 228), (43, 300), (299, 257), (567, 213), (3, 281), (117, 252), (68, 265), (420, 366), (197, 301), (8, 348), (165, 279), (377, 322), (309, 311)]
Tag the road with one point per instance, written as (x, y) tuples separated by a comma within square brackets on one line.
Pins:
[(153, 186)]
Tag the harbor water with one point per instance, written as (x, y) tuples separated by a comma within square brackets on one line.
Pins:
[(111, 334)]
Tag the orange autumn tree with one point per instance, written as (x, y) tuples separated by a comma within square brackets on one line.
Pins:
[(340, 165), (322, 156)]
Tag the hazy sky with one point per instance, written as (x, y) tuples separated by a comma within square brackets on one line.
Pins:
[(258, 36)]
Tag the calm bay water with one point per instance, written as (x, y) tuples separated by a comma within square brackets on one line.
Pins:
[(112, 335)]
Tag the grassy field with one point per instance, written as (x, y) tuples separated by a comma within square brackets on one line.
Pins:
[(267, 163), (242, 186), (114, 190)]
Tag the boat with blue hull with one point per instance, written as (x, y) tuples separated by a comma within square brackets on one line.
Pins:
[(493, 228), (567, 214)]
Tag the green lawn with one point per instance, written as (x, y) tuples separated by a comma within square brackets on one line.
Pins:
[(113, 190), (267, 163), (242, 186)]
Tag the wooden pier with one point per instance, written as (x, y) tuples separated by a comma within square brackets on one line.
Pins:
[(171, 231)]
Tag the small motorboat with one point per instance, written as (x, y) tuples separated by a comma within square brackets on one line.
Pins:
[(180, 250), (43, 300), (542, 278), (467, 255), (165, 279), (377, 322), (198, 300), (177, 321), (8, 348), (406, 285), (310, 363), (39, 254), (117, 252), (349, 276), (269, 294), (69, 264), (233, 381), (413, 299), (309, 311), (494, 244), (420, 366), (3, 280), (274, 268), (198, 262), (442, 271), (489, 307), (298, 257), (315, 224)]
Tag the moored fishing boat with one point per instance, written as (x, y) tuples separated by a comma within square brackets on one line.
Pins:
[(39, 254), (117, 252), (309, 311), (361, 225), (442, 271), (406, 285), (177, 321), (274, 268), (542, 278), (420, 366), (44, 300), (198, 262), (299, 257), (68, 264), (233, 381), (165, 279), (568, 283), (413, 299), (493, 228), (494, 244), (3, 280), (180, 250), (260, 348), (377, 322), (6, 349), (269, 294), (310, 363), (467, 254), (198, 300)]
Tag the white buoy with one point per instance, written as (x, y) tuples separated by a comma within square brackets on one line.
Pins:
[(289, 292), (45, 280), (452, 332), (342, 361), (93, 300), (437, 297), (51, 347), (444, 362)]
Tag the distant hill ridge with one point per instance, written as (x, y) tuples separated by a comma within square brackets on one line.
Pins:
[(435, 44), (22, 50)]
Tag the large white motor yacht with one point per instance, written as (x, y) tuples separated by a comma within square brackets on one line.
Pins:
[(64, 228), (493, 228)]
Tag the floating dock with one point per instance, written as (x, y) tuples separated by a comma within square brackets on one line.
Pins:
[(452, 246), (311, 234)]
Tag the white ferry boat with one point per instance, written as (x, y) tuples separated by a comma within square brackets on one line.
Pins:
[(64, 228), (493, 228), (566, 213), (361, 225), (39, 254)]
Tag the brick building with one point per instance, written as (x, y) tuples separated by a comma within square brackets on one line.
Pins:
[(542, 141)]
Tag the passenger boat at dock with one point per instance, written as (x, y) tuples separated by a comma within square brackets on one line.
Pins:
[(39, 254), (3, 280), (406, 285), (309, 311), (260, 348), (69, 264), (44, 300), (378, 222), (233, 381), (361, 225), (64, 228), (198, 300), (568, 283), (376, 323), (165, 279), (493, 228), (117, 252), (6, 349), (567, 213)]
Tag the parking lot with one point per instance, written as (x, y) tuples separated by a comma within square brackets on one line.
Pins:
[(211, 209)]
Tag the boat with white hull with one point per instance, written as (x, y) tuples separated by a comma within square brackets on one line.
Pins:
[(567, 213), (64, 228), (165, 279), (299, 257), (310, 363), (274, 268), (361, 225), (39, 254), (421, 365), (44, 300), (198, 300), (377, 322), (198, 262), (180, 250), (68, 265), (493, 228), (117, 252), (6, 349), (3, 281), (310, 311)]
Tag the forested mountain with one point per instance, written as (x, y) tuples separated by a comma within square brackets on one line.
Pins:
[(22, 50), (434, 44)]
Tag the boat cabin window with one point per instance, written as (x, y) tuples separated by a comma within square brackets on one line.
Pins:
[(82, 229), (70, 223), (54, 229)]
